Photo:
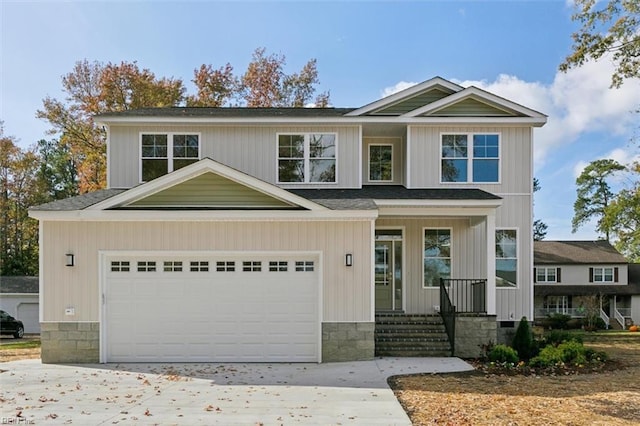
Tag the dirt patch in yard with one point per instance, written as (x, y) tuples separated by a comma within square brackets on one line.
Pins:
[(17, 349), (610, 397)]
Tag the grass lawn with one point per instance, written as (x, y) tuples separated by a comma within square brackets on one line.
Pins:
[(609, 397)]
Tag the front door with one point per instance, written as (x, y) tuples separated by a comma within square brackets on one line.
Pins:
[(388, 270)]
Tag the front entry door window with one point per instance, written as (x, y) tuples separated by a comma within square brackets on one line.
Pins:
[(388, 270)]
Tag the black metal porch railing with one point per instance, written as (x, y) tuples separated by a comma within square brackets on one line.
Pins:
[(448, 314), (460, 296)]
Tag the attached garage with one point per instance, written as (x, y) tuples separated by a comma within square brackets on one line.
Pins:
[(211, 307)]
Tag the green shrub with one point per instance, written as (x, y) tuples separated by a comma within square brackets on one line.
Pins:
[(523, 340), (555, 337), (503, 353), (573, 352), (568, 352), (574, 323), (559, 321), (549, 355), (595, 356)]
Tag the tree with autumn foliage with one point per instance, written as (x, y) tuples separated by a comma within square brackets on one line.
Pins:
[(608, 29), (94, 88), (265, 84), (20, 188)]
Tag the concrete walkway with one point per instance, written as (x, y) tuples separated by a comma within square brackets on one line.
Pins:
[(346, 393)]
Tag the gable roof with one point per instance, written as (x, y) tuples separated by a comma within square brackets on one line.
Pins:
[(403, 96), (433, 101), (578, 252), (490, 105), (19, 284)]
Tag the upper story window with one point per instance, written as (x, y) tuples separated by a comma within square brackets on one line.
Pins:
[(603, 275), (436, 256), (162, 153), (307, 158), (470, 157), (380, 163), (506, 258), (547, 275)]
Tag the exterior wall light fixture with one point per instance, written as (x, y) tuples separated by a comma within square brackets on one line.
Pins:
[(71, 261), (348, 259)]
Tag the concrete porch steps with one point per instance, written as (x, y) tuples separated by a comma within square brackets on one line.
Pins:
[(406, 335)]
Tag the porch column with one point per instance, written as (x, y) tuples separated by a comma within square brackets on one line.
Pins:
[(490, 227)]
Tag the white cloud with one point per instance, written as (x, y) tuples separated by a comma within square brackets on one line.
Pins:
[(388, 91), (577, 102)]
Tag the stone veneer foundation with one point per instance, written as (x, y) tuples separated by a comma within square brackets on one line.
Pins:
[(472, 332), (79, 342), (348, 341), (70, 342)]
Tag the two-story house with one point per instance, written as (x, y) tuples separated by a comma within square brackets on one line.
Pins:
[(278, 234), (581, 278)]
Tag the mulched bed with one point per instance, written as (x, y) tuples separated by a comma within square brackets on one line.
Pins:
[(604, 394)]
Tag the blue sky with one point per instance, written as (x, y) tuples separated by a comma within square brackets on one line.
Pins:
[(363, 49)]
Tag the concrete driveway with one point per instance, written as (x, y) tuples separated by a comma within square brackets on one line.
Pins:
[(347, 393)]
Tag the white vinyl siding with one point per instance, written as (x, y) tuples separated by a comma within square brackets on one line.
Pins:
[(515, 158), (398, 154), (249, 149), (346, 293)]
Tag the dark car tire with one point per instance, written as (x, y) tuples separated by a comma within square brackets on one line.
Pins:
[(18, 334)]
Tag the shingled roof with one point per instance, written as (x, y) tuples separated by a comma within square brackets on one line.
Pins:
[(79, 202), (568, 252), (334, 199), (226, 112), (19, 284)]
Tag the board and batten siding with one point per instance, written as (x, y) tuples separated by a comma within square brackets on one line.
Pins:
[(515, 162), (516, 212), (346, 291), (579, 274), (398, 159), (468, 256), (249, 149)]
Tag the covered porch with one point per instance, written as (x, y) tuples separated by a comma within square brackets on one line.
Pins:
[(423, 246)]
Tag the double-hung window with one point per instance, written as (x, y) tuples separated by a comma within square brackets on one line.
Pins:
[(603, 275), (470, 157), (506, 258), (380, 163), (162, 153), (547, 275), (307, 158), (436, 256)]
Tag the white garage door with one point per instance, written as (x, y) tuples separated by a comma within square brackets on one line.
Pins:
[(28, 313), (233, 308)]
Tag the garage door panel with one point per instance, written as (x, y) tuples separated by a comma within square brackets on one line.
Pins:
[(211, 315)]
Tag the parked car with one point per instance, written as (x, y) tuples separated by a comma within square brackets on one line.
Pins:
[(10, 325)]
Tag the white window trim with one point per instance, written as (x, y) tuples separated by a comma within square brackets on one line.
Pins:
[(546, 274), (426, 287), (306, 157), (470, 158), (613, 274), (369, 163), (169, 149), (517, 287)]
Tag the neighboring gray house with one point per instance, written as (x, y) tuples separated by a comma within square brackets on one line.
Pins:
[(282, 234), (567, 273), (19, 298)]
